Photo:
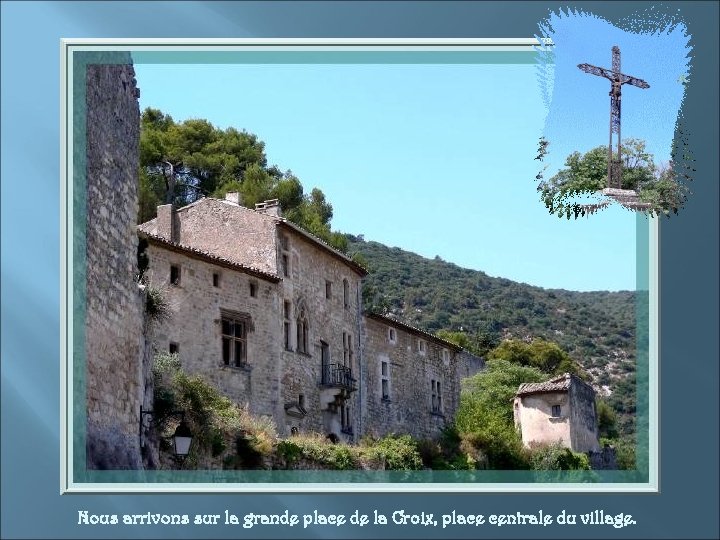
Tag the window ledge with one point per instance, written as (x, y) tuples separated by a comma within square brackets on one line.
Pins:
[(246, 368), (437, 413), (386, 400)]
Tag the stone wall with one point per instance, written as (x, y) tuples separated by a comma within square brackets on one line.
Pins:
[(315, 285), (114, 305), (583, 417), (197, 300), (604, 459), (534, 414), (411, 364)]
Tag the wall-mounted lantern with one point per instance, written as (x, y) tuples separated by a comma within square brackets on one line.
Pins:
[(181, 439)]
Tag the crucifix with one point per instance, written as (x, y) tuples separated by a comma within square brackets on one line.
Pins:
[(617, 79)]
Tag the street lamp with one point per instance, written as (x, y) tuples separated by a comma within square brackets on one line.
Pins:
[(181, 439)]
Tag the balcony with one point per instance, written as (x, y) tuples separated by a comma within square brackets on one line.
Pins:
[(337, 376)]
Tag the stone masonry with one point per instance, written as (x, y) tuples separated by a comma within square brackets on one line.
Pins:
[(412, 379), (559, 410), (114, 305), (308, 356)]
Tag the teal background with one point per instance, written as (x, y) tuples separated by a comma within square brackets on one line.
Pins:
[(31, 505)]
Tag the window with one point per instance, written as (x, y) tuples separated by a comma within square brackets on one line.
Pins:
[(325, 362), (253, 289), (285, 264), (286, 326), (234, 341), (346, 293), (347, 350), (345, 419), (301, 401), (391, 335), (174, 348), (284, 255), (445, 355), (302, 333), (216, 279), (174, 274), (385, 380), (328, 289), (284, 242), (421, 346), (556, 411), (435, 396)]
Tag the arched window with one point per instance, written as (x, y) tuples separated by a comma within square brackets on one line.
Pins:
[(302, 332)]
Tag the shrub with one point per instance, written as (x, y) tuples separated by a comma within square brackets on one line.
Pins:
[(216, 422), (318, 449), (625, 453), (398, 453), (555, 457), (451, 452), (157, 306)]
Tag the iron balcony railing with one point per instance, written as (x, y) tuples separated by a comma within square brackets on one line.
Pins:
[(337, 376)]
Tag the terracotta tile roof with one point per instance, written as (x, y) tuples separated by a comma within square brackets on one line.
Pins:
[(150, 227), (560, 383), (412, 330), (206, 256)]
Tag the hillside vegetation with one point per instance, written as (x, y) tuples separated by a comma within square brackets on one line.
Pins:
[(596, 329)]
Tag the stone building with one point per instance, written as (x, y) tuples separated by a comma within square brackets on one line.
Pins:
[(559, 410), (272, 316), (412, 378)]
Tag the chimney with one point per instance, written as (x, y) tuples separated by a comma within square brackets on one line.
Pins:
[(233, 197), (167, 222), (271, 208)]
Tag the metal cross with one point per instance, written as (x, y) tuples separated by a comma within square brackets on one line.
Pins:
[(617, 79)]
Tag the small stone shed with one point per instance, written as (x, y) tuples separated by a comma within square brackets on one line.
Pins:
[(559, 410)]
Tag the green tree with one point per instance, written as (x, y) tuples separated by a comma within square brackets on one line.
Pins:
[(606, 419), (183, 161), (587, 174), (479, 343), (546, 356), (485, 414), (665, 194), (180, 162)]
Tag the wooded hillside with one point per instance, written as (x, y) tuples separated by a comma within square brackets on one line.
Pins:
[(597, 329)]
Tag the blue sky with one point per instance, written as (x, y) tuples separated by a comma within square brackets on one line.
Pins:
[(439, 158)]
